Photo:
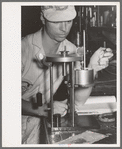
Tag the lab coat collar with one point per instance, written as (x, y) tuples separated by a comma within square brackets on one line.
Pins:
[(37, 42), (37, 39)]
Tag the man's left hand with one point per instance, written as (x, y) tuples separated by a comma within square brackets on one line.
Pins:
[(100, 59)]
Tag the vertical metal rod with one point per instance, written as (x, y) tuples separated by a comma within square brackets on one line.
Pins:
[(104, 44), (84, 46), (98, 16), (51, 95), (64, 69), (64, 66), (80, 19), (72, 96)]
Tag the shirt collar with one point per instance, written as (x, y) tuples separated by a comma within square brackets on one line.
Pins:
[(37, 39), (37, 42)]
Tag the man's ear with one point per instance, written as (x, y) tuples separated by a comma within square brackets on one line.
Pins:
[(42, 18)]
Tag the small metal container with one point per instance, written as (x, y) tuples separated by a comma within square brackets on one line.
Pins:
[(84, 77)]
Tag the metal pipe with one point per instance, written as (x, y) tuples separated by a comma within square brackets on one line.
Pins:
[(72, 96), (51, 95)]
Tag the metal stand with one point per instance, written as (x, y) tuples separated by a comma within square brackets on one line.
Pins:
[(63, 58)]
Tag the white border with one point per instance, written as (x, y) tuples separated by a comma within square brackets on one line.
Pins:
[(11, 72)]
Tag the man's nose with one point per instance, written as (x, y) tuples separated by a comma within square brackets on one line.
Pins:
[(63, 26)]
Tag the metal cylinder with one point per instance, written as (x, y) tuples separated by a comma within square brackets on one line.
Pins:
[(64, 69), (84, 77), (57, 120)]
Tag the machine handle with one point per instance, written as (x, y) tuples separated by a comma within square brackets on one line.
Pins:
[(39, 99)]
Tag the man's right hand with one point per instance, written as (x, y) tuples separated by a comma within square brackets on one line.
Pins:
[(43, 110), (60, 107)]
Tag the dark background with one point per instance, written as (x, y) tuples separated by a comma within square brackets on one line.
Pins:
[(30, 19)]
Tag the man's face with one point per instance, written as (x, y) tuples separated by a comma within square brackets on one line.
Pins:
[(58, 31)]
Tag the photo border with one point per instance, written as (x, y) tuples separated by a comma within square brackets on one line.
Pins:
[(120, 62)]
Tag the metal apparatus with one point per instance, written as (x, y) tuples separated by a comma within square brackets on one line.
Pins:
[(63, 58), (79, 77)]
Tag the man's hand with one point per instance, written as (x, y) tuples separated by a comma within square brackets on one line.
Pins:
[(100, 59), (60, 107)]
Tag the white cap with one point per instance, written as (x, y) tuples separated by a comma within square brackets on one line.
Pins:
[(59, 13)]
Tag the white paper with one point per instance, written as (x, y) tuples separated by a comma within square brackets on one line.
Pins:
[(100, 99), (98, 105)]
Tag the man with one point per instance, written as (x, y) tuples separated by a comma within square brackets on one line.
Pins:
[(51, 39)]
